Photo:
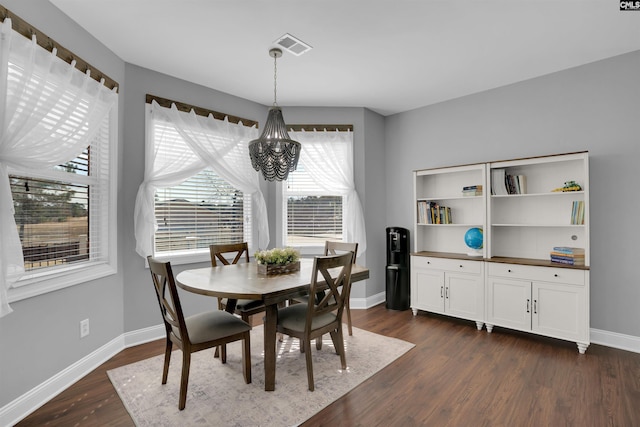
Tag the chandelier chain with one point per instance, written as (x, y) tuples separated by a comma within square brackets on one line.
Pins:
[(275, 79)]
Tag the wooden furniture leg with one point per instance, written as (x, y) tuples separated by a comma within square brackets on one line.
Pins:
[(270, 321)]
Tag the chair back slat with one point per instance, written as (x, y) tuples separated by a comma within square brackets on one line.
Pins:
[(235, 250), (334, 272), (336, 248), (168, 299)]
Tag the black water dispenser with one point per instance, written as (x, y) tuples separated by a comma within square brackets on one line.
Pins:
[(397, 270)]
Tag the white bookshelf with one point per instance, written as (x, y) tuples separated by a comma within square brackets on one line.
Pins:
[(513, 283)]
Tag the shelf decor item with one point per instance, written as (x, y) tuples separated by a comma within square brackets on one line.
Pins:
[(568, 186), (277, 261), (474, 239)]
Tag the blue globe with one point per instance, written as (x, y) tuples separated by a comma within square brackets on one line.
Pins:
[(474, 238)]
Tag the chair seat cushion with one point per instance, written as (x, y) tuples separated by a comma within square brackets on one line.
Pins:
[(212, 325), (294, 318)]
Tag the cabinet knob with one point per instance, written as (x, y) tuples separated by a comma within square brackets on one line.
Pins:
[(460, 265), (555, 275), (509, 270)]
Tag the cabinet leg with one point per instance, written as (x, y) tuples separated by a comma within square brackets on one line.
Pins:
[(415, 311), (479, 325), (489, 328), (582, 348)]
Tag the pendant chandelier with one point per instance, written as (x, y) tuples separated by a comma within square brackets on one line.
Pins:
[(274, 153)]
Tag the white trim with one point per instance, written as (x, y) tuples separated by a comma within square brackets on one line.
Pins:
[(368, 302), (59, 280), (142, 336), (29, 402), (615, 340), (24, 405)]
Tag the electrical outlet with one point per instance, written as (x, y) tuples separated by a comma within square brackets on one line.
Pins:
[(84, 328)]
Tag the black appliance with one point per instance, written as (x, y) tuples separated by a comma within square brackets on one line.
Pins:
[(397, 270)]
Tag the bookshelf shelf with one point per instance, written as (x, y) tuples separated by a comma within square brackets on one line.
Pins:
[(540, 225), (549, 194)]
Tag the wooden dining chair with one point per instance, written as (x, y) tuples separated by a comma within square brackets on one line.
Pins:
[(312, 320), (336, 248), (195, 333), (232, 253)]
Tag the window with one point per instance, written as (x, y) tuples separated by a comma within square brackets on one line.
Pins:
[(58, 136), (312, 215), (65, 216), (201, 211), (53, 216), (199, 184), (319, 200)]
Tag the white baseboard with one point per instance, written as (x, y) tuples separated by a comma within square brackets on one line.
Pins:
[(615, 340), (364, 303), (24, 405), (145, 335)]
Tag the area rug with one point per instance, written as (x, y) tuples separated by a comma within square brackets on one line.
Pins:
[(218, 396)]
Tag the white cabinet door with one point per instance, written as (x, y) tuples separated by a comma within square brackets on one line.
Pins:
[(464, 296), (559, 310), (509, 303), (427, 290)]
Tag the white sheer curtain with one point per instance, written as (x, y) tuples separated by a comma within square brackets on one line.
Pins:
[(207, 142), (51, 111), (328, 158)]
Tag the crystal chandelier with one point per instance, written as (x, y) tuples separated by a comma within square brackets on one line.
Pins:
[(274, 153)]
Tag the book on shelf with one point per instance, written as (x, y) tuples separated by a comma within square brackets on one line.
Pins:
[(432, 213), (498, 182), (567, 261), (472, 190), (566, 255), (516, 184), (577, 212), (568, 250)]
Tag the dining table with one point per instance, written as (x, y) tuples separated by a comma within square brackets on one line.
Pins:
[(243, 281)]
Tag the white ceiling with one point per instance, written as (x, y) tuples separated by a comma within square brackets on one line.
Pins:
[(386, 55)]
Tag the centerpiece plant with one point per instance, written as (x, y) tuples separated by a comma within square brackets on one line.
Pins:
[(277, 256), (277, 261)]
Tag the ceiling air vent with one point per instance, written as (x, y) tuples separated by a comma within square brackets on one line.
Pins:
[(292, 44)]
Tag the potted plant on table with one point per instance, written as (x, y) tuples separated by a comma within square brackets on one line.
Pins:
[(277, 261)]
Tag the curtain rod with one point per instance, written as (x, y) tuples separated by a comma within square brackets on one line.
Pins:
[(328, 128), (23, 27), (181, 106)]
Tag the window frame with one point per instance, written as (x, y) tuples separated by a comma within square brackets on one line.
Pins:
[(41, 281), (282, 215), (198, 254)]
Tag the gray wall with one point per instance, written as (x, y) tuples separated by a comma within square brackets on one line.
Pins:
[(595, 107)]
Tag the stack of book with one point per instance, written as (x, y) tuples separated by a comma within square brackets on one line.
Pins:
[(433, 213), (567, 255), (472, 190)]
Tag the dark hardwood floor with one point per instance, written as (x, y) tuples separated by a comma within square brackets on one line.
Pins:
[(455, 376)]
